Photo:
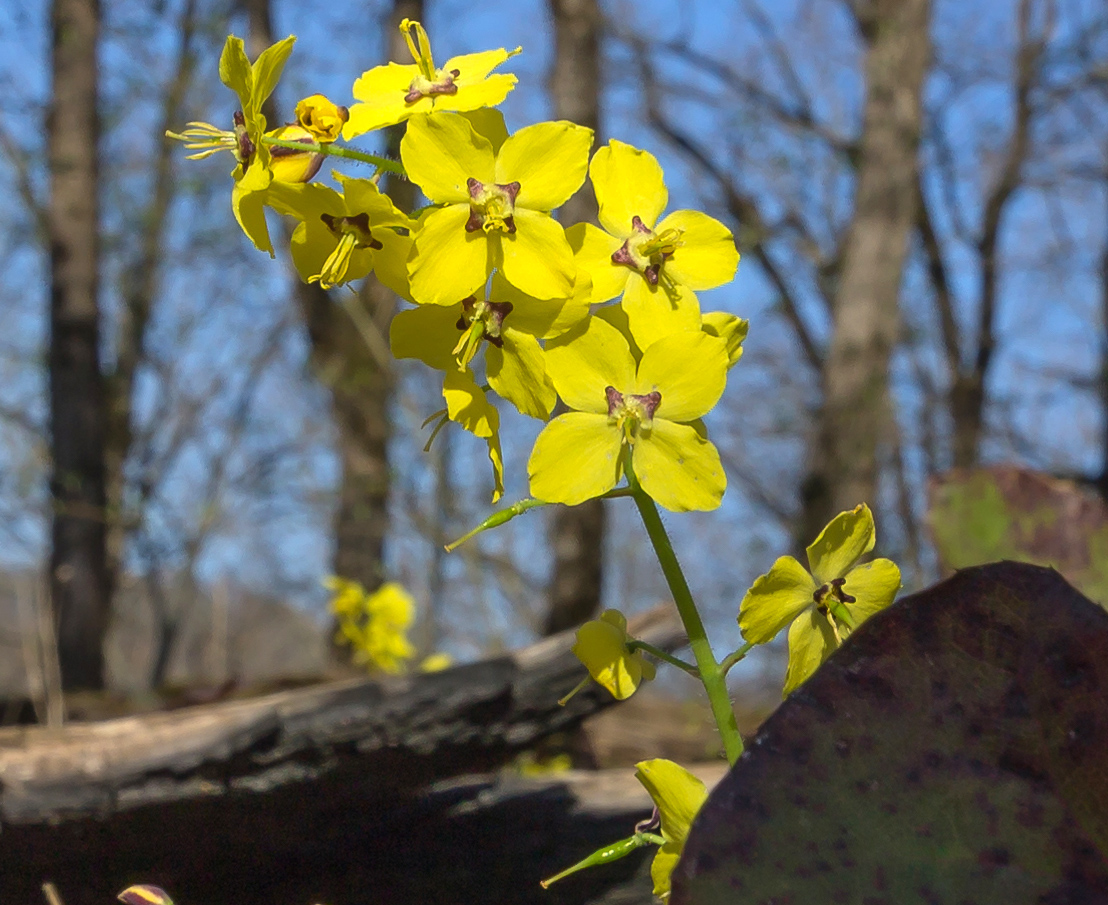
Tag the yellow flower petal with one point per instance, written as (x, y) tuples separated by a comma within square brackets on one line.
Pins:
[(248, 203), (448, 264), (811, 641), (654, 311), (689, 370), (678, 468), (489, 123), (587, 359), (487, 93), (679, 796), (381, 93), (543, 318), (846, 539), (467, 404), (592, 250), (537, 258), (441, 152), (602, 648), (267, 70), (517, 373), (235, 71), (707, 256), (390, 262), (628, 183), (548, 160), (474, 68), (731, 329), (874, 585), (775, 599), (575, 458), (428, 333)]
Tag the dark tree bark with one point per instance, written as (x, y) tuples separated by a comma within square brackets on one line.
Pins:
[(576, 533), (79, 576), (854, 419), (140, 285)]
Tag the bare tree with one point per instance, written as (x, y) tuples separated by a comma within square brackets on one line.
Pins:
[(79, 577), (854, 419), (576, 532)]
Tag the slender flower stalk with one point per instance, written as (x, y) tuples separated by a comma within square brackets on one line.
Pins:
[(711, 674), (329, 150)]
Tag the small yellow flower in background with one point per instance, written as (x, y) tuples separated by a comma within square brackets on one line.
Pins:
[(649, 410), (826, 605), (436, 662), (494, 206), (656, 266), (392, 93), (602, 648), (321, 118), (678, 796), (374, 625)]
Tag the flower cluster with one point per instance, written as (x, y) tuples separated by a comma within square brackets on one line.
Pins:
[(507, 303)]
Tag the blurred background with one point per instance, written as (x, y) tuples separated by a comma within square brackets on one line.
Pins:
[(191, 440)]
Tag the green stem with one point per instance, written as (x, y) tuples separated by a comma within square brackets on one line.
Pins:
[(662, 655), (711, 675), (734, 657), (329, 150)]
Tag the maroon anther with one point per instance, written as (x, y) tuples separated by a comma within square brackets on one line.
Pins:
[(359, 222), (446, 86), (622, 255), (476, 218), (244, 148), (495, 315), (648, 403)]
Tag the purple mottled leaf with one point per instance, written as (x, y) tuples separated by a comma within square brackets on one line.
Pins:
[(955, 750)]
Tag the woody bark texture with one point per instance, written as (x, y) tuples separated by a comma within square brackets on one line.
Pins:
[(854, 423), (79, 575)]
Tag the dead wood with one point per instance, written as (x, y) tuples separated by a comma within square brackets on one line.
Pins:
[(394, 734)]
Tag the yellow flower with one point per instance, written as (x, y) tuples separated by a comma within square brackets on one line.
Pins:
[(602, 648), (656, 266), (678, 796), (321, 118), (507, 325), (495, 198), (436, 662), (825, 606), (342, 238), (374, 625), (392, 93), (647, 411)]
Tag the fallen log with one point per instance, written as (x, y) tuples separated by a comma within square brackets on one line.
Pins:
[(271, 792)]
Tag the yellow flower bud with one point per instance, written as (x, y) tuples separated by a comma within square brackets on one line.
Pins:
[(322, 118)]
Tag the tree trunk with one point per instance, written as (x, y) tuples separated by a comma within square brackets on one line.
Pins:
[(79, 577), (853, 424), (352, 368), (576, 533)]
